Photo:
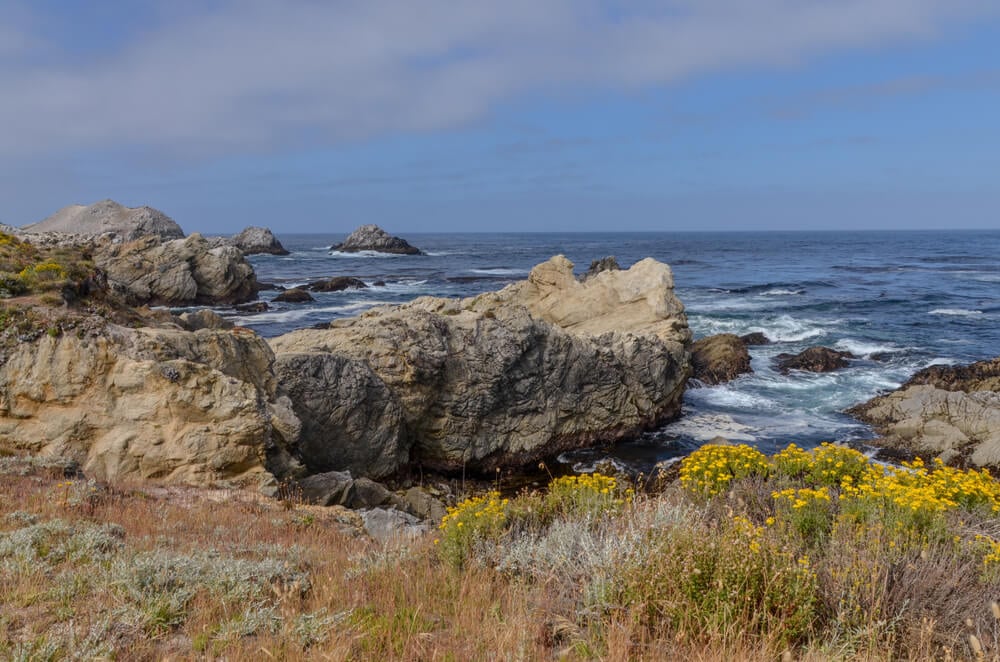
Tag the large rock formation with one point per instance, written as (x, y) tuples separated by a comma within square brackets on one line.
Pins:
[(252, 241), (720, 358), (178, 272), (374, 238), (109, 216), (149, 404), (951, 412), (502, 379)]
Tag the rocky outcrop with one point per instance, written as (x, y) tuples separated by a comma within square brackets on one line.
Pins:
[(814, 359), (252, 241), (129, 223), (150, 404), (337, 284), (720, 358), (502, 379), (949, 412), (374, 238), (178, 272)]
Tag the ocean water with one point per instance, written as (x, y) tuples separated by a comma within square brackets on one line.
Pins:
[(917, 298)]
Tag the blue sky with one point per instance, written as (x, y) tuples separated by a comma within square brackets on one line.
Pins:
[(541, 115)]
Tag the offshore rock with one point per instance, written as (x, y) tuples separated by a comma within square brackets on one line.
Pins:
[(813, 359), (108, 216), (294, 295), (150, 404), (253, 240), (502, 379), (178, 272), (754, 339), (952, 412), (374, 238), (338, 284), (720, 358)]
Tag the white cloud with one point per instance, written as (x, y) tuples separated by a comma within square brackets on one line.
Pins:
[(252, 75)]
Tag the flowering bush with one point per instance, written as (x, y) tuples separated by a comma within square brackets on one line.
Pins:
[(710, 469)]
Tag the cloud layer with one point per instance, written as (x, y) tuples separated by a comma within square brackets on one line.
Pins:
[(254, 75)]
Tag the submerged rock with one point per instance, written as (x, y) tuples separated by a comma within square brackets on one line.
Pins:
[(374, 238), (720, 358), (294, 295), (814, 359), (952, 412), (754, 339), (502, 379), (105, 216), (337, 284)]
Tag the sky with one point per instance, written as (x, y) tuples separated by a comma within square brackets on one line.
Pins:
[(520, 115)]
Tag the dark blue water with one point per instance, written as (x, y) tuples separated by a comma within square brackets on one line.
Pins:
[(920, 298)]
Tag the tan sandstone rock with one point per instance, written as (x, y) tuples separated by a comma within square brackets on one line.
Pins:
[(161, 405)]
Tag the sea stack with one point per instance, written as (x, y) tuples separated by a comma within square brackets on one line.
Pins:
[(374, 238)]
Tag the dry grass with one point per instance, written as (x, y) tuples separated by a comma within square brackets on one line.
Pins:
[(126, 573)]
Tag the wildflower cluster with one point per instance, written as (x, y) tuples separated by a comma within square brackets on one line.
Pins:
[(475, 519), (709, 470), (587, 494)]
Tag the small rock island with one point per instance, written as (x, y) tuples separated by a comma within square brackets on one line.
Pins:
[(374, 238)]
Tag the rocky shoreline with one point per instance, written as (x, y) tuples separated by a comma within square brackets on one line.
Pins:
[(492, 383)]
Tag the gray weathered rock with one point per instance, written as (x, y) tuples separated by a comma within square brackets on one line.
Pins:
[(389, 524), (204, 319), (720, 358), (755, 338), (129, 223), (178, 272), (150, 404), (608, 263), (502, 379), (950, 412), (252, 241), (374, 238), (350, 419)]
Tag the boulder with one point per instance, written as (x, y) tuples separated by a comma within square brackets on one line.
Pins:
[(252, 307), (754, 339), (501, 379), (158, 405), (814, 359), (204, 319), (388, 524), (173, 273), (338, 283), (950, 412), (294, 295), (252, 241), (108, 216), (720, 358), (374, 238)]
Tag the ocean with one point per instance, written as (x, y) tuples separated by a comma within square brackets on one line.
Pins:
[(915, 298)]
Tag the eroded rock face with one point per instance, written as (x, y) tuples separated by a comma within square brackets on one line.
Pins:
[(129, 223), (150, 404), (504, 378), (814, 359), (952, 412), (374, 238), (252, 241), (720, 358), (178, 272)]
